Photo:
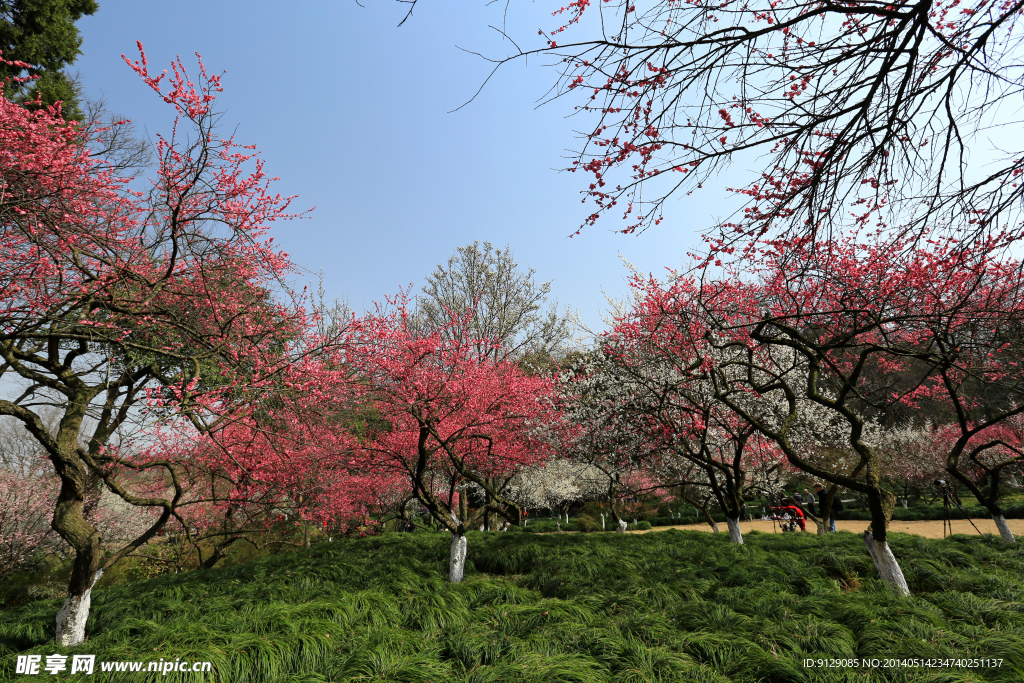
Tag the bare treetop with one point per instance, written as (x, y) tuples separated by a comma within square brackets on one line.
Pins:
[(508, 307)]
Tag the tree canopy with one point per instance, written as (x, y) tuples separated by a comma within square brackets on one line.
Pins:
[(509, 310), (42, 34)]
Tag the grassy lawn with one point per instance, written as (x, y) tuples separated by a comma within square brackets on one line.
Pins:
[(672, 606)]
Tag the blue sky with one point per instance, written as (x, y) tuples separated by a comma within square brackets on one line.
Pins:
[(352, 113)]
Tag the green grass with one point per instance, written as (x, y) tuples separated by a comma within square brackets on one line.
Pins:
[(672, 606)]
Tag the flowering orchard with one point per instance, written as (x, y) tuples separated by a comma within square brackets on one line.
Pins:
[(869, 279), (664, 345), (26, 504), (858, 328)]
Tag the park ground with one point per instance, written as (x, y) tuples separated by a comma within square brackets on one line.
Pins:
[(931, 528)]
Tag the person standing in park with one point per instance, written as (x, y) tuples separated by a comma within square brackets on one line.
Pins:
[(810, 500), (837, 505)]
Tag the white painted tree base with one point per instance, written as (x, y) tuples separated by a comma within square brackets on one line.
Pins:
[(457, 558), (73, 615), (735, 535), (886, 564), (1004, 529)]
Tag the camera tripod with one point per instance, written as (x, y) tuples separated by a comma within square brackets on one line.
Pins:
[(948, 499)]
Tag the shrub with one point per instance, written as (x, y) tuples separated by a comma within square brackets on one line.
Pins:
[(647, 512), (543, 525), (588, 523), (934, 512), (643, 525)]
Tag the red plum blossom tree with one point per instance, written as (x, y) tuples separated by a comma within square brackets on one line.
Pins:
[(455, 416), (118, 306)]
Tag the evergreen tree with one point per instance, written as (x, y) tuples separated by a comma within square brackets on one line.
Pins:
[(42, 33)]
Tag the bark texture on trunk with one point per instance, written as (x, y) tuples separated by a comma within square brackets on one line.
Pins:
[(735, 535), (1004, 529), (457, 558), (463, 507), (709, 519), (73, 615), (886, 564), (69, 522)]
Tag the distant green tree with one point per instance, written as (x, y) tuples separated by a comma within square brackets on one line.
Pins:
[(42, 33)]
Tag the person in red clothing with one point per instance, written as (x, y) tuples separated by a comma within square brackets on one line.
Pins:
[(793, 511)]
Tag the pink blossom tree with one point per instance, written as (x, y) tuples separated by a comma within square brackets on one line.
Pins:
[(979, 455), (455, 416), (838, 320), (120, 307), (26, 505)]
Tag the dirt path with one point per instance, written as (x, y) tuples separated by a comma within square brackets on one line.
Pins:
[(926, 528)]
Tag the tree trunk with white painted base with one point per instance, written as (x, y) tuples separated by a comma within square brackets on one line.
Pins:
[(886, 564), (1004, 529), (457, 558), (72, 616), (735, 535), (70, 523)]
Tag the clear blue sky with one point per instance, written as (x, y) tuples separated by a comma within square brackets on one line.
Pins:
[(351, 112)]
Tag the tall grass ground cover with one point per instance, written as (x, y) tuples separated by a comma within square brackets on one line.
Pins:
[(674, 606)]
